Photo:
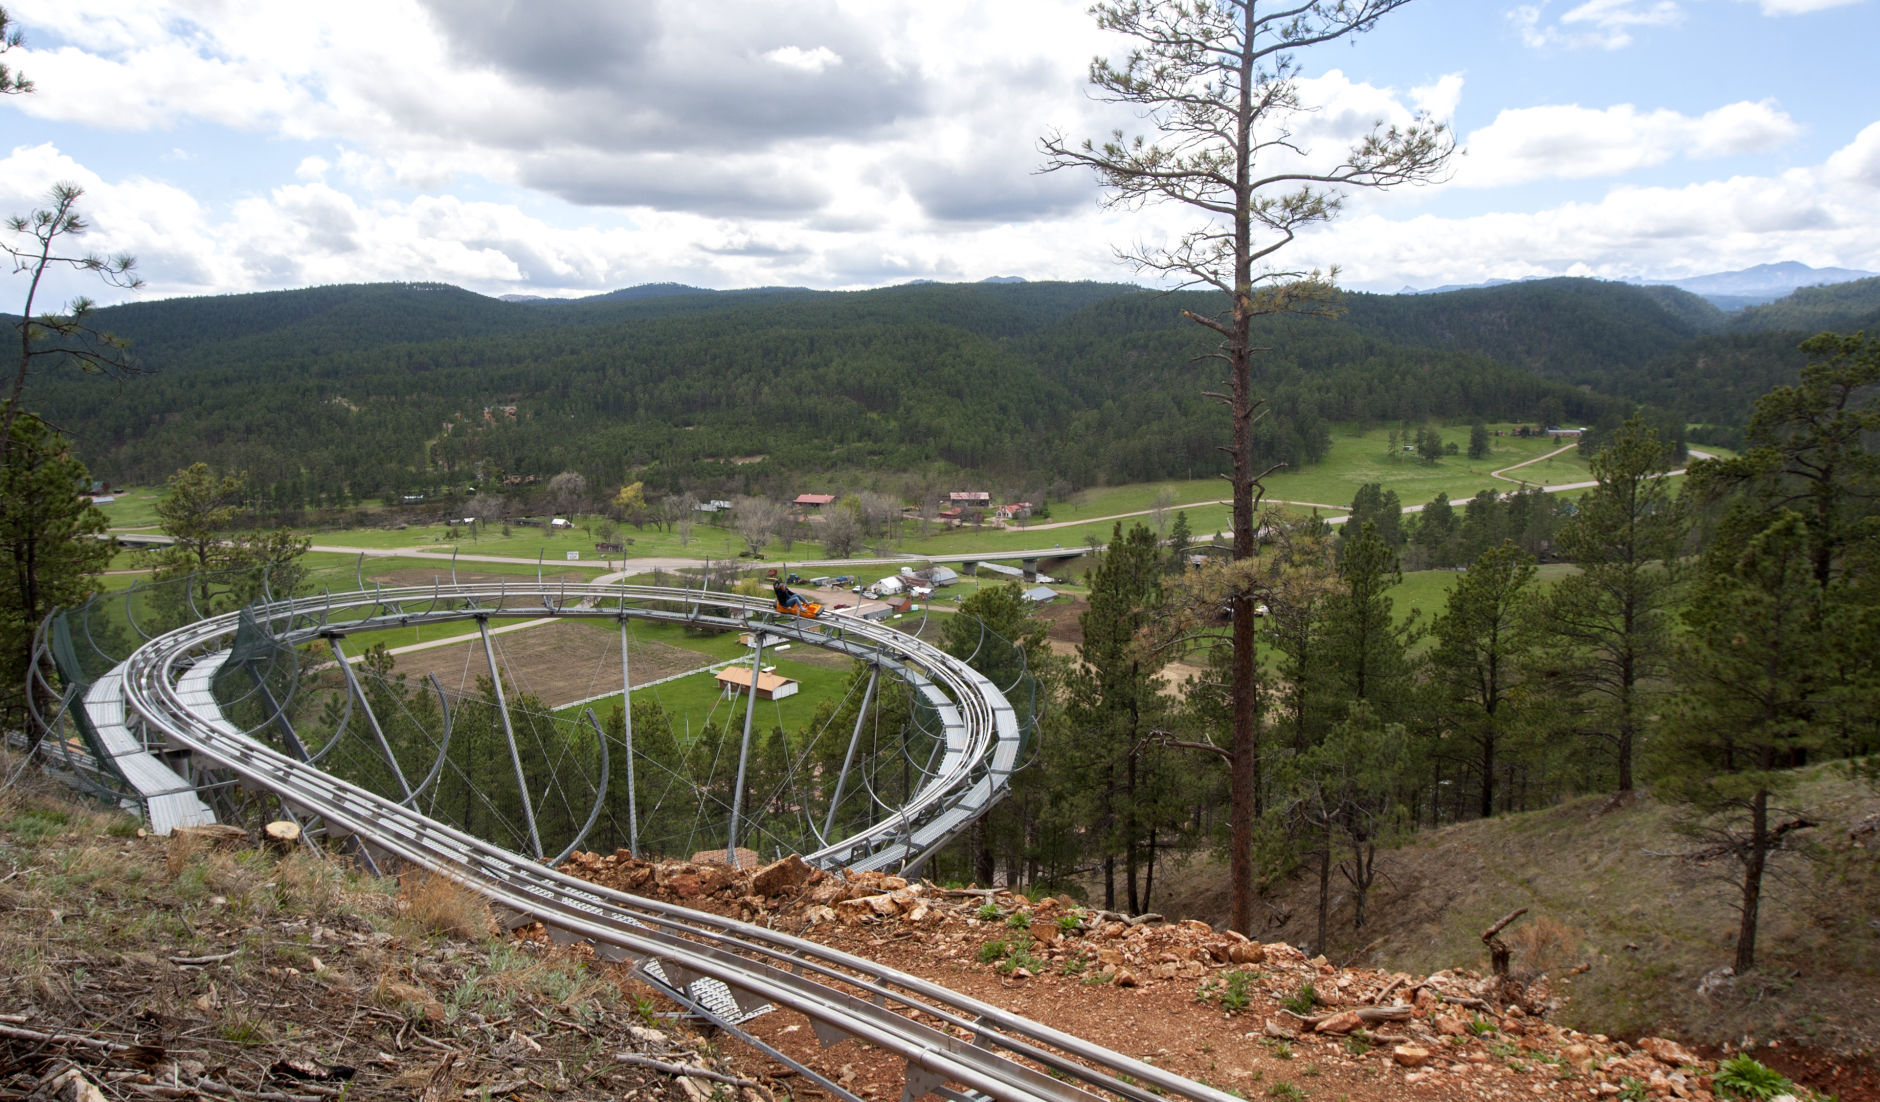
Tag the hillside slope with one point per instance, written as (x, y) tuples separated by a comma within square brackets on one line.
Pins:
[(1606, 887)]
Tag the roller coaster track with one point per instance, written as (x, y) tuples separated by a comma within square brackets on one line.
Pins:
[(959, 1048)]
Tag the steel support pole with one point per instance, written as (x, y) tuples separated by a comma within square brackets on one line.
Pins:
[(744, 748), (385, 746), (848, 759), (509, 734), (626, 712), (294, 745)]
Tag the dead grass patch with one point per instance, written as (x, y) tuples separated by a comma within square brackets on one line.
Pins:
[(1545, 945), (438, 904)]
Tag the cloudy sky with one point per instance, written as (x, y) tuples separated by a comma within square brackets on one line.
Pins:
[(565, 147)]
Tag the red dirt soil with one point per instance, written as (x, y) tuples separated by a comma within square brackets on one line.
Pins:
[(1153, 991)]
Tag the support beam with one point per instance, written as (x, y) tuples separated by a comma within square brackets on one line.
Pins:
[(385, 747), (294, 746), (626, 713), (744, 747), (509, 735), (848, 759)]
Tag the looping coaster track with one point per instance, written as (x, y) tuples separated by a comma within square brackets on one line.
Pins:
[(128, 725)]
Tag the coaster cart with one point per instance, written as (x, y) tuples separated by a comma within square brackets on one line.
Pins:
[(809, 610)]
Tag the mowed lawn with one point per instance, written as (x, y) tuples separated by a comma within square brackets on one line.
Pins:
[(696, 699)]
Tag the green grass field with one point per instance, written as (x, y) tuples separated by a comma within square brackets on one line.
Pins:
[(695, 700), (554, 545), (134, 508)]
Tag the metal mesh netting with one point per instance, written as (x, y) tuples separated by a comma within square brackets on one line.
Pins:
[(498, 763)]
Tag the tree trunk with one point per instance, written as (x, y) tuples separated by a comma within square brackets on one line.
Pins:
[(1628, 688), (1148, 887), (1488, 772), (1240, 363), (1325, 892), (1136, 905), (1753, 862), (983, 871)]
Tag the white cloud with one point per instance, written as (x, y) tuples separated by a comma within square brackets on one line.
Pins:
[(1802, 7), (1858, 162), (1818, 215), (1601, 24), (1574, 142), (1439, 100), (834, 143), (805, 61)]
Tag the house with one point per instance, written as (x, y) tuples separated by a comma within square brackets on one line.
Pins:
[(888, 585), (736, 681), (1014, 510), (1040, 594), (813, 501), (715, 505)]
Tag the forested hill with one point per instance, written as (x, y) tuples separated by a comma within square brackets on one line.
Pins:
[(1839, 307), (394, 388)]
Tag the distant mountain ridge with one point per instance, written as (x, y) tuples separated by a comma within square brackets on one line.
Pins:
[(1754, 286), (1764, 282)]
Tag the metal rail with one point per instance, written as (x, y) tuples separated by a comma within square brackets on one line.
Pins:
[(961, 1049)]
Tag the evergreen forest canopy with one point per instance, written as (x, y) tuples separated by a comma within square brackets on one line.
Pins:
[(337, 394)]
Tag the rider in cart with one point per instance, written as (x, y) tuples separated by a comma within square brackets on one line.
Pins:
[(786, 600)]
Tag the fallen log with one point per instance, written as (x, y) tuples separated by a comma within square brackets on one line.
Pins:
[(1369, 1015)]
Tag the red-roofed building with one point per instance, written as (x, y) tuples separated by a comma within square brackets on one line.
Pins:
[(970, 498), (813, 501)]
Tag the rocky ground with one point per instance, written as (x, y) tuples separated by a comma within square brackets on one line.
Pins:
[(202, 966), (1256, 1019), (208, 966)]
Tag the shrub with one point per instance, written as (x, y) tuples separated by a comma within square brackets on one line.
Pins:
[(1302, 1002), (1237, 991), (1742, 1076)]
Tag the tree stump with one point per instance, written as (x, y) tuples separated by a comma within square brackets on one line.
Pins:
[(283, 834), (1498, 953)]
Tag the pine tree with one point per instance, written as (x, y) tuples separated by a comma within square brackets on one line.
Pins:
[(1482, 638), (1366, 650), (1752, 689), (1435, 537), (1179, 537), (1113, 703), (50, 553), (1218, 82), (1609, 625)]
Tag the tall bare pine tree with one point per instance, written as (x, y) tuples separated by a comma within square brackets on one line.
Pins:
[(1218, 82)]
